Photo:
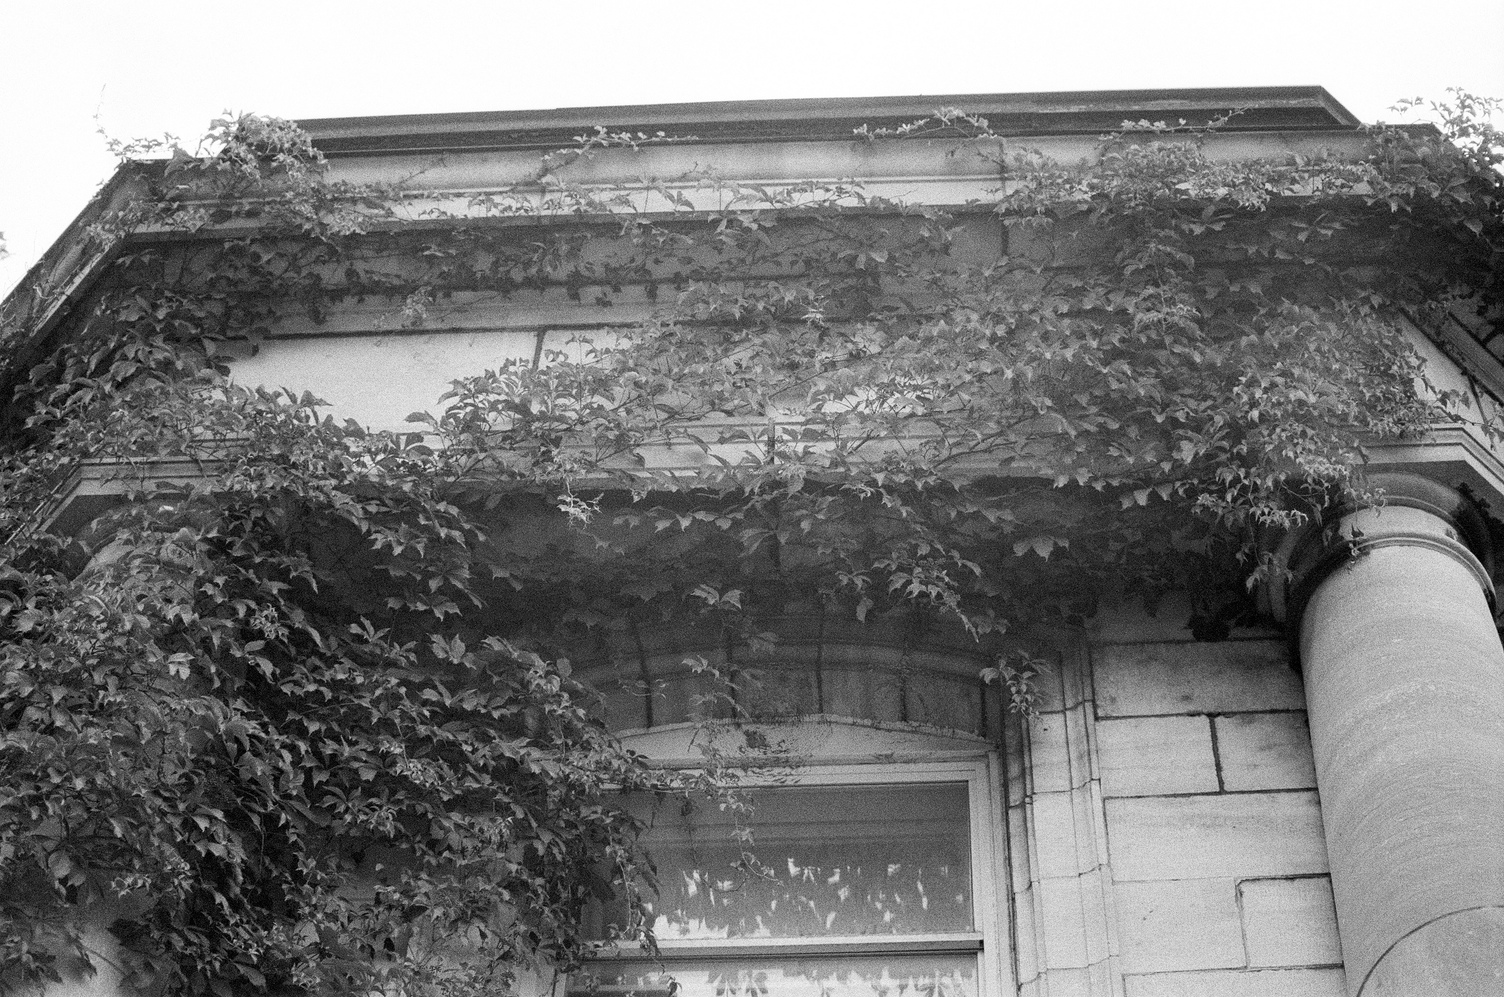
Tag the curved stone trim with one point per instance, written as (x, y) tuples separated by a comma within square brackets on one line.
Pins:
[(1445, 545), (882, 671), (1312, 553), (801, 741), (1460, 954), (1348, 551)]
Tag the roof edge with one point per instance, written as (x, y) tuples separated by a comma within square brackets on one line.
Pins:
[(51, 286), (1301, 108)]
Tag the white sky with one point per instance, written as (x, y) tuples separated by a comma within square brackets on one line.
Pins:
[(153, 66)]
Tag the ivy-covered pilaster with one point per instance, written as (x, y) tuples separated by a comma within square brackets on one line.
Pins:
[(1405, 686)]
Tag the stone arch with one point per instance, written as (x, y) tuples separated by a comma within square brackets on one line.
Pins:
[(886, 672), (797, 740)]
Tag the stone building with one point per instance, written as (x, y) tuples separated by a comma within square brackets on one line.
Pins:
[(1315, 807)]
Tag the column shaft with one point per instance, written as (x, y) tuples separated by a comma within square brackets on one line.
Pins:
[(1405, 686)]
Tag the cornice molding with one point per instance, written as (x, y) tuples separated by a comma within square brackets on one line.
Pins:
[(1454, 454), (1296, 108)]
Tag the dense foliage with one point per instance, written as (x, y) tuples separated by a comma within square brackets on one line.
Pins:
[(306, 720)]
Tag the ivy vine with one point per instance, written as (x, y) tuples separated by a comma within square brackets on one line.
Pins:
[(307, 722)]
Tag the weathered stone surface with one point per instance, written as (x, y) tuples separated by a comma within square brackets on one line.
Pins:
[(946, 701), (1289, 922), (1062, 924), (1129, 622), (1094, 887), (1067, 983), (1059, 685), (1071, 921), (1179, 925), (854, 692), (1027, 952), (1460, 955), (1020, 863), (1015, 764), (1156, 756), (1200, 837), (1241, 983), (811, 737), (1058, 750), (1060, 834), (1088, 981), (1161, 678), (1265, 751)]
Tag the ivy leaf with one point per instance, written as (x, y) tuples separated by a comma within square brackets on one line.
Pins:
[(1041, 545)]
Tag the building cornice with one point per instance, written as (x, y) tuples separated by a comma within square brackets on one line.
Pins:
[(65, 273), (1454, 454), (1084, 112)]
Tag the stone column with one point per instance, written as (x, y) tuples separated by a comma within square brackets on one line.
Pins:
[(1405, 686)]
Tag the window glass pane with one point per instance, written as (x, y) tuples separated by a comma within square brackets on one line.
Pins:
[(822, 860), (832, 976)]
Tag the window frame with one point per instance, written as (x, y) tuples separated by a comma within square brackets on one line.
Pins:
[(979, 769)]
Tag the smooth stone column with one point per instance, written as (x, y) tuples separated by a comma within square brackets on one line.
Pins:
[(1405, 686)]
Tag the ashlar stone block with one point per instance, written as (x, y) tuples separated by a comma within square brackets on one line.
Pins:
[(1290, 922), (1179, 925), (1245, 835), (1265, 751), (1063, 924), (1165, 678), (1156, 756), (1061, 844), (1058, 756), (1076, 982)]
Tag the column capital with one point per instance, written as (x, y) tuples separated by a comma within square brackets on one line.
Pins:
[(1410, 509)]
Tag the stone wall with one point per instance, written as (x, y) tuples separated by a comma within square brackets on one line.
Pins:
[(1214, 837)]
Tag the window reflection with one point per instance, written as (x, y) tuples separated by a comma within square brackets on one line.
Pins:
[(821, 861)]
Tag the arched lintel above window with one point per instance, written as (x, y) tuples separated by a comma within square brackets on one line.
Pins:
[(801, 740), (888, 671)]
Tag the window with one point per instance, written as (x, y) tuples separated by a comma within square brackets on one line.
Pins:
[(873, 879)]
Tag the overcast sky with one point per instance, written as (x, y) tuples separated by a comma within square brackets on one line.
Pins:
[(153, 66)]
